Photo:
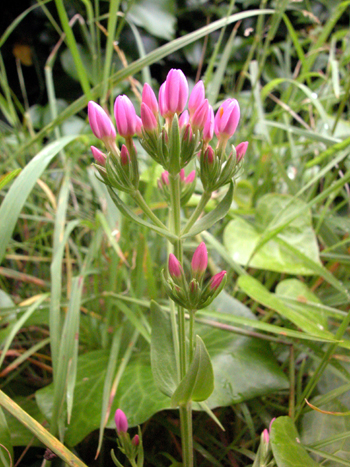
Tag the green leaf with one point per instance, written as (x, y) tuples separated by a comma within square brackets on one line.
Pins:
[(5, 179), (286, 446), (259, 293), (124, 209), (273, 210), (214, 216), (24, 183), (244, 368), (163, 358), (295, 293), (6, 450), (156, 16), (198, 383)]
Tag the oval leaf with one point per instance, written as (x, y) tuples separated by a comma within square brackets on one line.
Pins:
[(198, 383)]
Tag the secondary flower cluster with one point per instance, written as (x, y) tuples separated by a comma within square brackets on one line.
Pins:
[(130, 447), (171, 134), (192, 295)]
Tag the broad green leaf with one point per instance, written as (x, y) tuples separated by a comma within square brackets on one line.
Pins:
[(295, 293), (5, 179), (24, 183), (198, 383), (163, 358), (124, 209), (286, 446), (259, 293), (156, 16), (213, 216), (241, 238), (243, 195), (244, 368), (6, 450)]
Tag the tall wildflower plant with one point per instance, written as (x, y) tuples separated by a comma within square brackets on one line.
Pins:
[(174, 136)]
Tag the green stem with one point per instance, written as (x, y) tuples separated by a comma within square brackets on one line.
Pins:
[(185, 412), (197, 212), (186, 435), (191, 336), (146, 209)]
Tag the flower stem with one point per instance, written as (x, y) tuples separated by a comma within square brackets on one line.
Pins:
[(185, 412), (197, 212), (191, 336)]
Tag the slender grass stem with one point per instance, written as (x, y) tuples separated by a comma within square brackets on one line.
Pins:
[(138, 198), (197, 212)]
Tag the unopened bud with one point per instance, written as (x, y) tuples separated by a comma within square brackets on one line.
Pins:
[(175, 268), (136, 440), (165, 177), (266, 436), (199, 261), (184, 118), (124, 156), (99, 156), (241, 149), (190, 177), (216, 280), (121, 422), (182, 175)]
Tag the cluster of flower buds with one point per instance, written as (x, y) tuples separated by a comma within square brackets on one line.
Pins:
[(216, 170), (132, 448), (263, 457), (187, 185), (193, 295), (171, 134)]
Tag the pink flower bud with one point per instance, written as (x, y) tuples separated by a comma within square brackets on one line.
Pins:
[(124, 156), (149, 98), (216, 280), (199, 117), (270, 426), (99, 157), (199, 261), (190, 177), (241, 149), (161, 99), (182, 175), (136, 440), (121, 422), (100, 123), (209, 155), (175, 93), (165, 177), (125, 116), (149, 121), (138, 126), (196, 98), (175, 268), (226, 119), (184, 118), (187, 136), (208, 130), (266, 436)]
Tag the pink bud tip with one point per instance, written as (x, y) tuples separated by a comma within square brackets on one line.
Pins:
[(99, 157), (199, 117), (271, 424), (190, 177), (266, 436), (182, 175), (199, 261), (124, 155), (149, 98), (209, 155), (241, 149), (165, 177), (184, 118), (174, 93), (226, 119), (208, 131), (187, 136), (136, 440), (196, 98), (138, 126), (175, 268), (217, 279), (121, 422), (149, 121), (100, 123), (125, 116)]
